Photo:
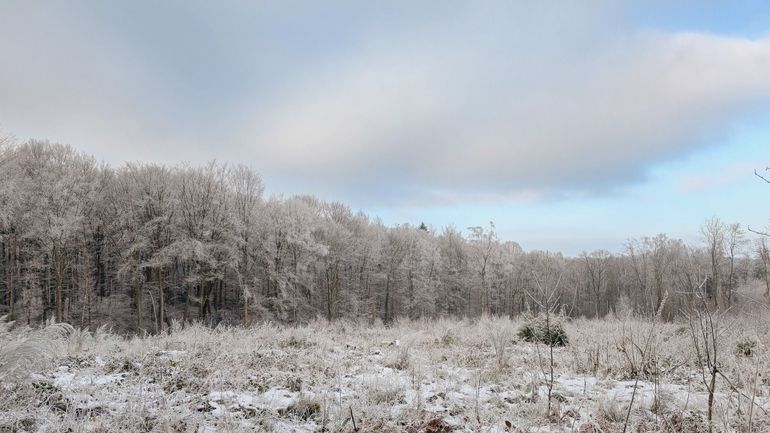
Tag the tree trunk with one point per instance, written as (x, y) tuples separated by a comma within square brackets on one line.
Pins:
[(717, 283), (767, 284), (245, 309), (387, 299), (730, 277), (58, 292), (201, 302), (161, 298), (45, 293), (484, 294), (711, 396), (139, 304), (328, 296), (154, 310), (9, 279), (658, 290), (18, 278)]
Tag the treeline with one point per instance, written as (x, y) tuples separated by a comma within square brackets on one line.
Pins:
[(138, 246)]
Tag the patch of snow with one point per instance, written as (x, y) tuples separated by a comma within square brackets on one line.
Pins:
[(275, 400), (284, 426), (171, 355), (279, 399), (71, 380)]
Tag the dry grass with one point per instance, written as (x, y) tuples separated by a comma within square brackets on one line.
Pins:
[(470, 376), (25, 350)]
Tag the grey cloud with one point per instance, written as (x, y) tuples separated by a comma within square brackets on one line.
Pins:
[(437, 103)]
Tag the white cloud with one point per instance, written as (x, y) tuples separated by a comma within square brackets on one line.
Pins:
[(448, 124), (722, 177), (484, 101)]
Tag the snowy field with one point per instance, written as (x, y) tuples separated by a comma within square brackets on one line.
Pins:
[(428, 376)]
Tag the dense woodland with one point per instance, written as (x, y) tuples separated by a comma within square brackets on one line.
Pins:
[(138, 246)]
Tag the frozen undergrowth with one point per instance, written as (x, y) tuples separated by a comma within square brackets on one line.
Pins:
[(437, 376)]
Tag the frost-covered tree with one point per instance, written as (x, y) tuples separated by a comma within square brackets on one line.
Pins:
[(366, 252), (143, 212), (139, 245), (508, 279), (206, 242), (596, 266), (9, 224), (763, 254), (713, 232), (455, 280), (60, 183), (482, 244), (735, 240), (334, 231), (292, 255), (246, 188), (394, 252)]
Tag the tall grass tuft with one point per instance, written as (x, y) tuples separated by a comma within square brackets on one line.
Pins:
[(25, 350)]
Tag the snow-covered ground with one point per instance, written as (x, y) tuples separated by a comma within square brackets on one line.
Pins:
[(438, 376)]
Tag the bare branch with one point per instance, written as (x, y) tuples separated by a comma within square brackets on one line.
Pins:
[(761, 233), (756, 173)]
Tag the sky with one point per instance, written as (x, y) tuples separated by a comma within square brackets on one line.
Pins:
[(572, 125)]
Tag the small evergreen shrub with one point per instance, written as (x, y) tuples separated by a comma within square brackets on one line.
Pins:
[(745, 347), (535, 329)]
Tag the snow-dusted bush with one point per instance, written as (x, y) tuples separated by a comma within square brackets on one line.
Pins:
[(499, 332)]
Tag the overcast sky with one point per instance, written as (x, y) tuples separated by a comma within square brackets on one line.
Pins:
[(573, 125)]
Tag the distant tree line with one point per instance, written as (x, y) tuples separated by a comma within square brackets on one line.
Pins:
[(138, 246)]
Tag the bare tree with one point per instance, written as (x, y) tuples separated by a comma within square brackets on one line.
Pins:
[(705, 330), (482, 243), (455, 272), (144, 216), (640, 264), (335, 234), (394, 253), (713, 232), (763, 253), (762, 248), (59, 180), (246, 188), (207, 240), (735, 239), (595, 265)]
